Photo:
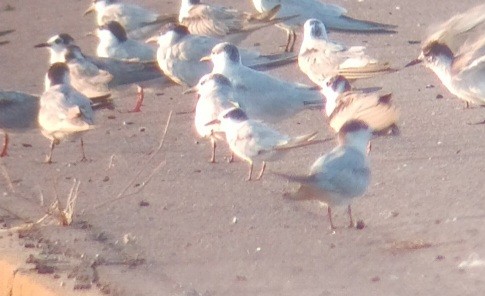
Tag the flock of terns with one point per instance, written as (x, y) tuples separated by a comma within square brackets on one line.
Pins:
[(237, 103)]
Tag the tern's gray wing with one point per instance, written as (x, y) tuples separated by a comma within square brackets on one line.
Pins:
[(343, 171), (76, 98), (256, 139), (327, 59), (130, 16), (377, 111), (18, 111), (333, 16), (184, 63), (64, 111), (88, 78), (299, 7), (213, 21), (469, 82), (271, 99), (134, 50), (126, 72), (459, 29), (257, 61)]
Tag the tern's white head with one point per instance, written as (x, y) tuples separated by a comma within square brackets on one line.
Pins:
[(355, 134), (225, 55), (438, 57), (332, 88), (57, 45), (314, 29), (213, 82), (57, 74)]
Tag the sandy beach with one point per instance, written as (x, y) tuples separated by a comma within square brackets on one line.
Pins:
[(154, 217)]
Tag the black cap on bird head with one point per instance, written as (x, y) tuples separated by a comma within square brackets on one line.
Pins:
[(219, 79), (316, 28), (337, 81), (116, 29), (352, 126), (236, 114), (57, 73), (437, 49), (62, 38), (230, 49), (178, 29)]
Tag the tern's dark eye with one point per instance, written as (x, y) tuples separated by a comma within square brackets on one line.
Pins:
[(57, 41)]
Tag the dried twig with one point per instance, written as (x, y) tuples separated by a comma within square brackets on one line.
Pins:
[(122, 193), (63, 216)]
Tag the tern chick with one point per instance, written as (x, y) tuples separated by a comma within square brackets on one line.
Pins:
[(343, 105), (320, 58)]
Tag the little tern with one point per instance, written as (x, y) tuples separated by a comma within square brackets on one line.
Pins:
[(342, 174), (320, 58), (253, 140), (343, 105)]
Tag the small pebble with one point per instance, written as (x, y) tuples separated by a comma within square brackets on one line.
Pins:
[(360, 225), (438, 96)]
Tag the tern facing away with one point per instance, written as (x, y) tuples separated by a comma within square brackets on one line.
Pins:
[(252, 140), (341, 175), (228, 24), (64, 111), (273, 99), (333, 16), (320, 58), (343, 105), (179, 55), (140, 23), (456, 54)]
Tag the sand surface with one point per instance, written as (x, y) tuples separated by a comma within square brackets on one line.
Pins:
[(152, 221)]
